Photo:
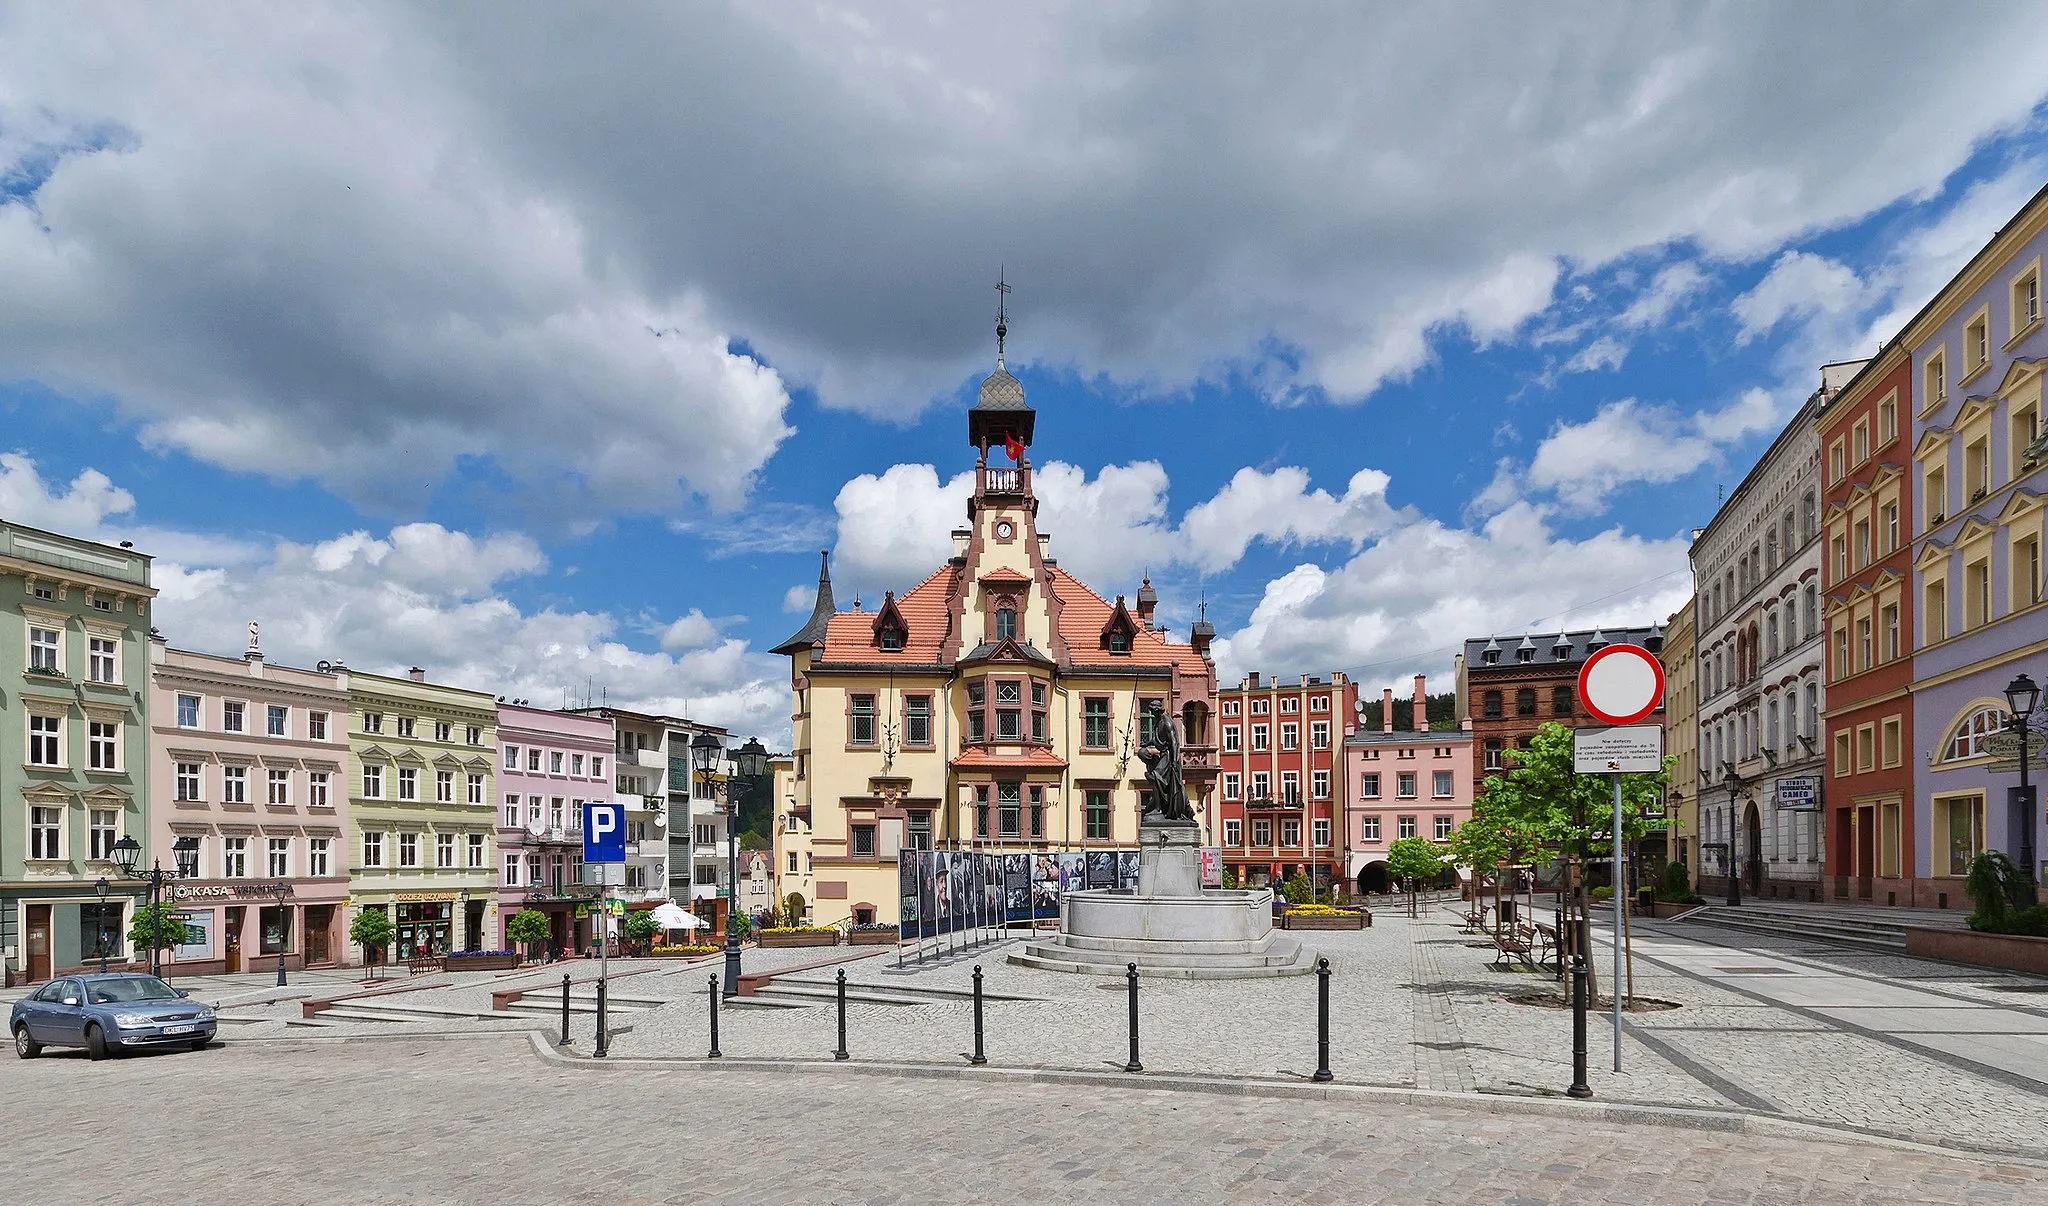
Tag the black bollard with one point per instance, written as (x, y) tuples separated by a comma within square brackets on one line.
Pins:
[(841, 1052), (979, 1058), (1564, 940), (565, 1012), (715, 1052), (1579, 1086), (1132, 977), (1322, 1075), (603, 1039)]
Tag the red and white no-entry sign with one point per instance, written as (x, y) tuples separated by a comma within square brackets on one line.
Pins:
[(1621, 684)]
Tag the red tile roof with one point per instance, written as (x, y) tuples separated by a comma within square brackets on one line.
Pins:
[(1006, 574), (1033, 758), (1083, 617), (850, 635)]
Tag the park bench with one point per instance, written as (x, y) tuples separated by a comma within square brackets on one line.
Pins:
[(419, 964), (1475, 918), (1547, 946), (1510, 945)]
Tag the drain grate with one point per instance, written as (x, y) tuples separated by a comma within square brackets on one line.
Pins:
[(1757, 971)]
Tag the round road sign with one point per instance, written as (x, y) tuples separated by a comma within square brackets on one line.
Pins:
[(1621, 684)]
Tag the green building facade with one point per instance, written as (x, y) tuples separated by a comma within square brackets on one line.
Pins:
[(74, 731)]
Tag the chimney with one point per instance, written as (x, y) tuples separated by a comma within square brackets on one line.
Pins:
[(1251, 681), (1200, 635), (1421, 704), (1387, 710), (960, 538), (417, 675), (1148, 601)]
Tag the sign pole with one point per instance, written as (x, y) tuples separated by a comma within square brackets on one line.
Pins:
[(1619, 888)]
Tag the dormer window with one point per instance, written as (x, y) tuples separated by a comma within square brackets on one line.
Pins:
[(1119, 643), (1120, 631), (890, 629), (1006, 623), (891, 640), (1492, 656), (1525, 655)]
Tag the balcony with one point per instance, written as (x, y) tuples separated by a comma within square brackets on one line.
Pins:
[(1287, 803)]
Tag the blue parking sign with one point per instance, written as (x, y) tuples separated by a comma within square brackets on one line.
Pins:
[(604, 832)]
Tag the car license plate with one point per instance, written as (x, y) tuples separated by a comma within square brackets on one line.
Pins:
[(187, 1028)]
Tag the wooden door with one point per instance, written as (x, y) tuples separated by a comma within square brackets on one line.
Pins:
[(1866, 850), (318, 919), (234, 942), (39, 942)]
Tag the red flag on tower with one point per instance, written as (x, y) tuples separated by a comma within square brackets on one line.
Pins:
[(1013, 446)]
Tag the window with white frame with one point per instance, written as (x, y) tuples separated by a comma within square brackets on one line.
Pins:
[(104, 829), (373, 848), (1290, 832), (511, 757), (188, 711), (234, 785), (554, 763), (316, 726), (232, 716), (512, 862), (1404, 785), (102, 745), (1262, 832), (408, 849), (1319, 734), (190, 781), (1441, 784), (103, 659), (476, 850), (1290, 786), (597, 766), (1319, 784), (373, 782), (1369, 829), (444, 732), (373, 722), (1259, 737), (45, 740), (444, 850), (476, 789), (1230, 738), (45, 833), (234, 858), (1233, 832), (408, 783), (576, 761), (317, 860), (45, 649), (405, 726), (1290, 736), (1443, 828), (1261, 789), (316, 789), (1404, 827), (1231, 783), (1320, 831), (277, 721), (533, 761), (444, 787), (280, 787), (277, 858)]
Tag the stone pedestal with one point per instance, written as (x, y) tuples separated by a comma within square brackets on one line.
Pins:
[(1169, 859)]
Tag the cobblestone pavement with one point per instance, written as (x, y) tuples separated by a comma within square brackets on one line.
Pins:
[(484, 1121)]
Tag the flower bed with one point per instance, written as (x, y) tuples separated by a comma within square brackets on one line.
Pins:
[(480, 960), (802, 935), (872, 935), (1324, 917), (692, 951)]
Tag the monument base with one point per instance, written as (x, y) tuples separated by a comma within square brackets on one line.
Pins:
[(1170, 926)]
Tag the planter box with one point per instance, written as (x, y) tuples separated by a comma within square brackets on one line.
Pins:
[(872, 938), (1666, 908), (479, 962), (825, 939), (1355, 921), (2013, 952)]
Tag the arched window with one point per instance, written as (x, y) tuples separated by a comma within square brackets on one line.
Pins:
[(1525, 702), (1967, 739), (1491, 703), (1006, 623)]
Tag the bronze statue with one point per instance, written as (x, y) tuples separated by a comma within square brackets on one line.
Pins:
[(1161, 756)]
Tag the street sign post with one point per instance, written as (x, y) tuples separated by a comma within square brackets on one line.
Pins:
[(1620, 685), (1629, 749), (604, 844)]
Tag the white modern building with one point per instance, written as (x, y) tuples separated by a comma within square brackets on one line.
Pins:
[(1756, 583)]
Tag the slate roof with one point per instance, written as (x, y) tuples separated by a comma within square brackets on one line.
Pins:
[(1549, 644)]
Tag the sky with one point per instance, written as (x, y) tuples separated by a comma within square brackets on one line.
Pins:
[(546, 347)]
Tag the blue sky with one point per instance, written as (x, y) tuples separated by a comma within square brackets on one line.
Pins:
[(546, 353)]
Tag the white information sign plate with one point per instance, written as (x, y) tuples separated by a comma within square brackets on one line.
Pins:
[(609, 875), (1629, 749)]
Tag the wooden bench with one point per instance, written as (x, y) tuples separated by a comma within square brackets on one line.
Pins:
[(1510, 945), (1547, 946), (1475, 919), (415, 966)]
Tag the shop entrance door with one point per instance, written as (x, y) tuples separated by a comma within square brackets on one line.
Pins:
[(319, 918), (234, 942), (1866, 850), (39, 942)]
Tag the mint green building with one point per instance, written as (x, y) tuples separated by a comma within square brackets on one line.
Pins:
[(74, 732)]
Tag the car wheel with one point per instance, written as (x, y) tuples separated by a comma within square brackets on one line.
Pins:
[(96, 1043), (24, 1046)]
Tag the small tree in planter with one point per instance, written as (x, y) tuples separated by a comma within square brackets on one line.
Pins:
[(370, 930), (1230, 878), (155, 928), (528, 928), (1415, 861), (793, 909), (641, 927), (1297, 889)]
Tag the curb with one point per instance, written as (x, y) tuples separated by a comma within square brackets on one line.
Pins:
[(1632, 1114)]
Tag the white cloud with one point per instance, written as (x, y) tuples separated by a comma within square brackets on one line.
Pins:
[(1400, 606), (1606, 352), (1670, 288), (1626, 441), (692, 631), (378, 239), (1278, 507), (26, 498), (1800, 285)]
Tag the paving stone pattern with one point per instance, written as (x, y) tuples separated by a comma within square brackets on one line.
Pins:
[(483, 1121)]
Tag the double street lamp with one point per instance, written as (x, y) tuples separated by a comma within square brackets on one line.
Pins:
[(128, 853)]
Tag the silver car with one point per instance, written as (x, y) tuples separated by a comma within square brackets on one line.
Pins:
[(106, 1014)]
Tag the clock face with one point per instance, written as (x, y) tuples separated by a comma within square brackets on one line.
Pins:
[(1004, 531)]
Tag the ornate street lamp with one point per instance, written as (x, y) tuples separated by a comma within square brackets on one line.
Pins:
[(1734, 782), (705, 753), (462, 916), (2022, 695), (284, 928)]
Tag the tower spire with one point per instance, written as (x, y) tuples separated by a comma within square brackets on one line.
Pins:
[(1002, 312)]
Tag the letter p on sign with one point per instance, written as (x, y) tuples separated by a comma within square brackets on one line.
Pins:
[(604, 832)]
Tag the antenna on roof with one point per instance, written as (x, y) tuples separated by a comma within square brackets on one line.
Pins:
[(1002, 312)]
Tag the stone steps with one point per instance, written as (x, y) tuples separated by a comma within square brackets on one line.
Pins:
[(1837, 929), (1281, 956)]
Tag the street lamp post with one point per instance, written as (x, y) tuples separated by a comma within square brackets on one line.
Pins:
[(128, 854), (2022, 695), (705, 752), (1734, 782), (284, 929), (100, 937), (462, 917)]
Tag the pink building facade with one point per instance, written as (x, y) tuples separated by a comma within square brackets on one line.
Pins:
[(1410, 782), (549, 764), (249, 761)]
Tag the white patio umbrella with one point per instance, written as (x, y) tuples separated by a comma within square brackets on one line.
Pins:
[(671, 916)]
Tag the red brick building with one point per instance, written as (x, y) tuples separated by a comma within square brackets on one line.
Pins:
[(1866, 576), (1509, 687), (1280, 805)]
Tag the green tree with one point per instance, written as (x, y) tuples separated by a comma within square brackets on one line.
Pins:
[(370, 930), (156, 927), (1415, 859), (641, 928), (793, 909), (1230, 878), (528, 928), (1298, 889)]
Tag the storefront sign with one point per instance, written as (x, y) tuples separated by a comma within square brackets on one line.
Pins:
[(226, 891), (1799, 793), (198, 942), (409, 897)]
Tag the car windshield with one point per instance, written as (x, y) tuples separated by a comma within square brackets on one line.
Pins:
[(129, 988)]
